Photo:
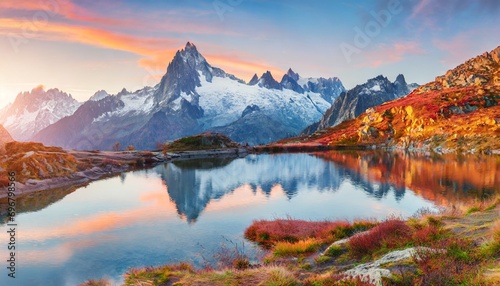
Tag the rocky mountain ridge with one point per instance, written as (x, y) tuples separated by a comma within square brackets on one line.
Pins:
[(34, 110), (459, 111), (352, 103), (193, 97), (4, 138)]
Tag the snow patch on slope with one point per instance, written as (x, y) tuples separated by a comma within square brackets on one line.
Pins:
[(223, 101)]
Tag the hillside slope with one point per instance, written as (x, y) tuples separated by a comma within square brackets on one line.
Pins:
[(458, 111), (4, 138)]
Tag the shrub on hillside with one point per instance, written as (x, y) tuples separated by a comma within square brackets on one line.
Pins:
[(267, 232), (391, 233)]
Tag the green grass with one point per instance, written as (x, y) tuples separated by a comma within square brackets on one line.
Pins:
[(493, 205), (334, 250), (156, 275), (322, 259), (472, 210)]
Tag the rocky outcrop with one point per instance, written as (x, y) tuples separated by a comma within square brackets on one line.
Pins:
[(474, 72), (374, 271)]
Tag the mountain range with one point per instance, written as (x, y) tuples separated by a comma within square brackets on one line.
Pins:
[(352, 103), (458, 111), (192, 97), (33, 111)]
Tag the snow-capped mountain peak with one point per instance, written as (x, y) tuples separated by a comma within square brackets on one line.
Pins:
[(254, 80), (100, 94), (289, 81), (194, 97), (295, 76), (32, 111), (267, 81)]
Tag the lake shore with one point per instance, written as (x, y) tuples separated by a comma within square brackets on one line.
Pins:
[(460, 246), (105, 164)]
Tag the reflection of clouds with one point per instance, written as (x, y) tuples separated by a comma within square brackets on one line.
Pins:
[(61, 253), (242, 197), (105, 221), (193, 188)]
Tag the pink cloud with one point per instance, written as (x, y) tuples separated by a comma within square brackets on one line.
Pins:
[(69, 22), (387, 54), (465, 45), (419, 8)]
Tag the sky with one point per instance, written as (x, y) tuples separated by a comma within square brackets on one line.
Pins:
[(84, 46)]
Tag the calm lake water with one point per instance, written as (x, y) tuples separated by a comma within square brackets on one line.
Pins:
[(184, 210)]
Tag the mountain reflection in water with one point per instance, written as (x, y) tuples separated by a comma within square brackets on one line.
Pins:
[(174, 211), (192, 184), (442, 179)]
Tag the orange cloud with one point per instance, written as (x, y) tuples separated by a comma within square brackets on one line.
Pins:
[(154, 53), (234, 65), (64, 8)]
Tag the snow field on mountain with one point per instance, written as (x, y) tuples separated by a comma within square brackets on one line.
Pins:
[(223, 101)]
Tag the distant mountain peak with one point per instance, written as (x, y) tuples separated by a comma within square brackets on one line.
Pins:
[(352, 103), (289, 81), (254, 80), (32, 111), (100, 94), (400, 78), (295, 76), (183, 75), (192, 57), (124, 91), (267, 81)]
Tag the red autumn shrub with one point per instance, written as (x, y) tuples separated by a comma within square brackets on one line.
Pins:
[(268, 232), (390, 233), (454, 263), (426, 235)]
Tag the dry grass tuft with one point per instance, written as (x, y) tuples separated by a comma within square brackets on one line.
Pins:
[(284, 248), (93, 282)]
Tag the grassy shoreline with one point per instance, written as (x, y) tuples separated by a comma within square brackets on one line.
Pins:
[(460, 246)]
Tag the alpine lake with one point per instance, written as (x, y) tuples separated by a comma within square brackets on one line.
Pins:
[(185, 211)]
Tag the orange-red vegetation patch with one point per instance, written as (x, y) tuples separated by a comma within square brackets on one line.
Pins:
[(390, 233), (31, 160), (267, 233)]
